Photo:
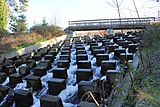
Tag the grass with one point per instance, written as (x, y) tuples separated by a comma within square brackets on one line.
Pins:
[(146, 88), (15, 42)]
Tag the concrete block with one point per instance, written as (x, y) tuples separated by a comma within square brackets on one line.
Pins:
[(80, 48), (111, 48), (65, 52), (56, 85), (100, 58), (112, 76), (81, 57), (104, 41), (86, 104), (3, 77), (64, 57), (49, 57), (45, 63), (18, 62), (3, 91), (132, 48), (51, 52), (84, 74), (60, 73), (50, 101), (14, 79), (36, 57), (107, 65), (34, 82), (84, 64), (125, 57), (97, 51), (118, 51), (31, 63), (39, 71), (85, 86), (24, 71), (23, 98), (80, 52), (63, 63), (10, 69)]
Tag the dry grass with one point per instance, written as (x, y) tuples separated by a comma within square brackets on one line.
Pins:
[(12, 41)]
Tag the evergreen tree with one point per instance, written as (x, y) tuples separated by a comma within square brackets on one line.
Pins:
[(3, 14)]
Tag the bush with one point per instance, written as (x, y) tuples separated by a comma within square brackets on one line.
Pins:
[(49, 31)]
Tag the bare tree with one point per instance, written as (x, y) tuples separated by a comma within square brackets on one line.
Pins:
[(117, 5)]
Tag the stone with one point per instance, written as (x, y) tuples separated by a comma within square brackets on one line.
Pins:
[(84, 64), (3, 91), (24, 71), (23, 98), (49, 57), (118, 51), (3, 77), (100, 58), (80, 52), (10, 69), (45, 63), (107, 65), (132, 48), (56, 85), (81, 57), (112, 76), (97, 51), (60, 73), (36, 57), (34, 82), (84, 74), (31, 63), (50, 101), (39, 71), (86, 104), (14, 79), (63, 63)]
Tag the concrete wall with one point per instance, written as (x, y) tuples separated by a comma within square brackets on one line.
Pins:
[(29, 49)]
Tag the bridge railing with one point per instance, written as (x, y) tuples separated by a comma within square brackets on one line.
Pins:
[(111, 22)]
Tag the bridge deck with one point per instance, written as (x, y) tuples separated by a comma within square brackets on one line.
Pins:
[(103, 24)]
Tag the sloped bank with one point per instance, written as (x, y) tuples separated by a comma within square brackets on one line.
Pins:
[(31, 48)]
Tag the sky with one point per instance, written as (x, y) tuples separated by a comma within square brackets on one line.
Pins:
[(59, 12)]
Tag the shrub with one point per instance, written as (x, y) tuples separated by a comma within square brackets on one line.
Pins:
[(49, 31)]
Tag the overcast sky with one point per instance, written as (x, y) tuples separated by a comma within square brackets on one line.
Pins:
[(62, 11)]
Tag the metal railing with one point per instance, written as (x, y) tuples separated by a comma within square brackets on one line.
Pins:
[(112, 22)]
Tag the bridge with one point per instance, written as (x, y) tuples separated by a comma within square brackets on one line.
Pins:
[(104, 24)]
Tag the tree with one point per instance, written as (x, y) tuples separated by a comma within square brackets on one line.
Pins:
[(3, 14), (17, 18)]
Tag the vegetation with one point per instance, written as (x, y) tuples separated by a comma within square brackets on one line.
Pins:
[(3, 14), (47, 30), (146, 87)]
